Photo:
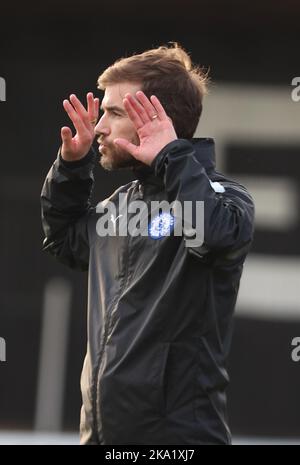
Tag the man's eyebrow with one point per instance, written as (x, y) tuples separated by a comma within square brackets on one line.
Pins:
[(114, 108)]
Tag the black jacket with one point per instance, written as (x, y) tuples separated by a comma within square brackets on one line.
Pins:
[(159, 313)]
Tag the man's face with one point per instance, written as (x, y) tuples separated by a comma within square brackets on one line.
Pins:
[(115, 123)]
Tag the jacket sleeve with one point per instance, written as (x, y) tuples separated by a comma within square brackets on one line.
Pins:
[(66, 208), (228, 214)]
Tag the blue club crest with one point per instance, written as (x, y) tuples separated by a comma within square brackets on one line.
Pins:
[(161, 225)]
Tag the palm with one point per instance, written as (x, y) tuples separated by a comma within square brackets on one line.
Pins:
[(79, 144), (152, 134), (153, 126)]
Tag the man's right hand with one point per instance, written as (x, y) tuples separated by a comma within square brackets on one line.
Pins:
[(84, 121)]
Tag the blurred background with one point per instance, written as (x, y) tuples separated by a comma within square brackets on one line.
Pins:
[(53, 48)]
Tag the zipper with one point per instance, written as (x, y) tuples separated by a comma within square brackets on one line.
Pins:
[(108, 325)]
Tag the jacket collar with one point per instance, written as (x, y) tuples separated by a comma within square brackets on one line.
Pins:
[(204, 153), (145, 174)]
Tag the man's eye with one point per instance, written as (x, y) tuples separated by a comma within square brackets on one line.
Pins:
[(110, 113)]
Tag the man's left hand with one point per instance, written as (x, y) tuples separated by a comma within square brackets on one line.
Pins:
[(152, 124)]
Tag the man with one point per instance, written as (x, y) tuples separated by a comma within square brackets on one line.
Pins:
[(160, 304)]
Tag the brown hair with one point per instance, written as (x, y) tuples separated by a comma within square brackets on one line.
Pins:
[(168, 73)]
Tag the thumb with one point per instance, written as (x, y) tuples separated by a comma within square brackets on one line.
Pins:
[(66, 136), (128, 146)]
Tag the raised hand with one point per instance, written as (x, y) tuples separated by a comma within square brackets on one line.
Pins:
[(152, 124), (84, 120)]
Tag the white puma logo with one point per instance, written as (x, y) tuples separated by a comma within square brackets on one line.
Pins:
[(114, 220)]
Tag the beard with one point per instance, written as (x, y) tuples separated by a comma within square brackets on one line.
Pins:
[(115, 158)]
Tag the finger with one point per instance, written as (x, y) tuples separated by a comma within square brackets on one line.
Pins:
[(140, 110), (150, 109), (82, 112), (96, 108), (91, 107), (133, 115), (158, 107), (75, 118), (128, 146), (66, 137), (95, 115)]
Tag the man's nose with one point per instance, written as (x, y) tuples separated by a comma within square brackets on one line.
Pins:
[(101, 128)]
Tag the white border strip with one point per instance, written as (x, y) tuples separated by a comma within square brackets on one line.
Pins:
[(53, 355), (270, 288)]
